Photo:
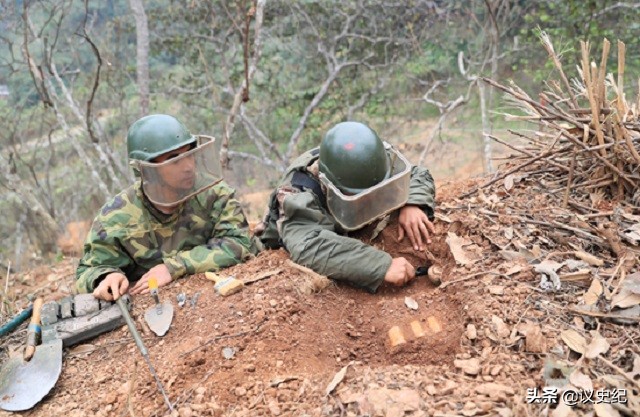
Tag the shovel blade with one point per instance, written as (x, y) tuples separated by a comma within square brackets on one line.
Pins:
[(159, 322), (24, 384)]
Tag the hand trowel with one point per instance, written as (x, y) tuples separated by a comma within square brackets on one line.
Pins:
[(158, 317)]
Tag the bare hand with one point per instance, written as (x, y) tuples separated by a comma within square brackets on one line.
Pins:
[(400, 272), (416, 225), (159, 272), (112, 287)]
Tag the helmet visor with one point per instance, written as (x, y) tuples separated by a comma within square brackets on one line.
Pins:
[(355, 211), (169, 183)]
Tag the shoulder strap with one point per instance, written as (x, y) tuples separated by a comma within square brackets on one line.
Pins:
[(302, 179)]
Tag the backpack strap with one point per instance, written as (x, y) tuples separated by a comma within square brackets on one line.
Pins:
[(302, 179)]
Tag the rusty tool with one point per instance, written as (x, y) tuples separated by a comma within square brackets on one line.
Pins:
[(160, 316), (143, 350)]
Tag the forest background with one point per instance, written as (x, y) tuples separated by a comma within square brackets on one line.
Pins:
[(265, 77)]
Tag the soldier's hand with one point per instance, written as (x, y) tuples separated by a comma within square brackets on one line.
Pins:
[(159, 272), (416, 225), (112, 287), (400, 272)]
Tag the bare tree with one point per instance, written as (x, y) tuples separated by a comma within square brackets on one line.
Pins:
[(142, 53)]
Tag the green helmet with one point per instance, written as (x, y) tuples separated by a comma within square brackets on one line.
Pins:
[(353, 157), (156, 134)]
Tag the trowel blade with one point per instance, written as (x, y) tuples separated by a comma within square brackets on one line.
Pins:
[(159, 322), (23, 384)]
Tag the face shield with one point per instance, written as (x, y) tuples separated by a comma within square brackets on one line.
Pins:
[(169, 183), (355, 211)]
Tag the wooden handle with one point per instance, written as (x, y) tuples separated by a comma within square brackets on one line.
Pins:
[(153, 283), (211, 276), (34, 331)]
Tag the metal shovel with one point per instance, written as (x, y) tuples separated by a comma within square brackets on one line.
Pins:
[(25, 381), (160, 316)]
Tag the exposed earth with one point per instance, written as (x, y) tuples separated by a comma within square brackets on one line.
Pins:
[(486, 341)]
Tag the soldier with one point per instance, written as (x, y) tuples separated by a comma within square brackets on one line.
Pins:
[(352, 180), (179, 218)]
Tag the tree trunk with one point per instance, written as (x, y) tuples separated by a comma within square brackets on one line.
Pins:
[(486, 127), (142, 50)]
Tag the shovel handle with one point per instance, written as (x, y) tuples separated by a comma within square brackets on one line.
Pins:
[(132, 327), (34, 331)]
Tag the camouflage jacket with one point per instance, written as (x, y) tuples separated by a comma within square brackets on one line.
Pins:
[(129, 235), (298, 220)]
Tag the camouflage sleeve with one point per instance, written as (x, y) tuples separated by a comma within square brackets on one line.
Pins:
[(422, 191), (309, 236), (228, 245), (102, 255)]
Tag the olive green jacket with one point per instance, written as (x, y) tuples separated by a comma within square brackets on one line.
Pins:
[(129, 235), (313, 237)]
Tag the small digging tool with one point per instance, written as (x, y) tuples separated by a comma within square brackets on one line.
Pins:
[(433, 273), (143, 350), (25, 381), (160, 316), (225, 286)]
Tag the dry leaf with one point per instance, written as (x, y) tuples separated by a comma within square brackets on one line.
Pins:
[(625, 298), (581, 380), (562, 410), (80, 349), (508, 182), (511, 255), (605, 410), (632, 234), (593, 293), (501, 329), (574, 340), (411, 303), (534, 339), (588, 258), (597, 346), (457, 246), (508, 233), (337, 378), (580, 275), (514, 270)]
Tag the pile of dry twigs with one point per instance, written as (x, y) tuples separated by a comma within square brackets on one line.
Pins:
[(586, 140)]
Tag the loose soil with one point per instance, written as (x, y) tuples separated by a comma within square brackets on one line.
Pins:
[(290, 345)]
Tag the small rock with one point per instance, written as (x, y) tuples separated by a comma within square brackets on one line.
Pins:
[(469, 405), (240, 391), (496, 289), (504, 412), (250, 367), (274, 409), (431, 389), (448, 387), (185, 412), (110, 398), (201, 390), (495, 370), (468, 366), (408, 398), (494, 391), (472, 333), (273, 303), (124, 388), (279, 364)]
